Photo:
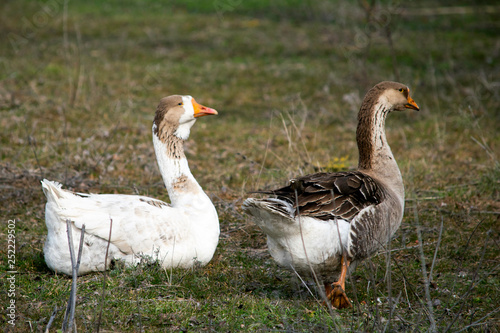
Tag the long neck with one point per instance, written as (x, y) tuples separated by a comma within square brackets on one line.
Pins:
[(179, 181), (375, 155), (370, 134)]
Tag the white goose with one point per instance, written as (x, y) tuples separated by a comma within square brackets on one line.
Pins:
[(178, 235), (307, 229)]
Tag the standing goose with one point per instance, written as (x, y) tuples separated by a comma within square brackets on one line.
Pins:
[(178, 235), (307, 228)]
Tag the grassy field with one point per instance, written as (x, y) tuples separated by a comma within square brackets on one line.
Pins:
[(79, 84)]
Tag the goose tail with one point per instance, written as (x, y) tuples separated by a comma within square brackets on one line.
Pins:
[(53, 191)]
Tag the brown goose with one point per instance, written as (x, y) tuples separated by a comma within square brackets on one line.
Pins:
[(330, 221)]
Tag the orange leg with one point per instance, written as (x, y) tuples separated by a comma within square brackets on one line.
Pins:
[(335, 291)]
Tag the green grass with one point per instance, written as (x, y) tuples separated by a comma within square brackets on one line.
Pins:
[(77, 98)]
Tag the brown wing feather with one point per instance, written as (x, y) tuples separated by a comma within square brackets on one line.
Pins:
[(352, 191)]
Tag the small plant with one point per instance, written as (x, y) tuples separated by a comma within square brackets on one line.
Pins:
[(335, 164)]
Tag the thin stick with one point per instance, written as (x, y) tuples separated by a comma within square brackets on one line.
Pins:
[(437, 247), (303, 282), (104, 276), (69, 316), (406, 293), (424, 272), (388, 274), (75, 276), (72, 257), (51, 319), (288, 136)]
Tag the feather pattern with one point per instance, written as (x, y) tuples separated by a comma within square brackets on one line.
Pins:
[(327, 196)]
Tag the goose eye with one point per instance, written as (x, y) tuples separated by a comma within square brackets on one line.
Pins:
[(401, 89), (180, 103)]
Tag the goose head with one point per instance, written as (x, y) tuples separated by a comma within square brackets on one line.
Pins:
[(396, 95), (176, 114)]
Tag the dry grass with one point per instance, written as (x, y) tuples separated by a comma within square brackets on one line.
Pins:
[(78, 91)]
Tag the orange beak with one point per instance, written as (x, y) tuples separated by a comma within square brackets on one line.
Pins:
[(411, 104), (200, 110)]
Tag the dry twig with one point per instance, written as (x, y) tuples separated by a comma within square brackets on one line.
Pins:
[(69, 316)]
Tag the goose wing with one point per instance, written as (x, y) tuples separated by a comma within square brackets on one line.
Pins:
[(327, 196)]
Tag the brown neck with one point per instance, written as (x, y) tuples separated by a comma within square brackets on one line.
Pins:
[(370, 134), (375, 155)]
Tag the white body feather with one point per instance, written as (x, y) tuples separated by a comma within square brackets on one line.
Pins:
[(300, 243), (177, 237)]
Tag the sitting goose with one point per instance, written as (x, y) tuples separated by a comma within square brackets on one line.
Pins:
[(307, 228), (178, 235)]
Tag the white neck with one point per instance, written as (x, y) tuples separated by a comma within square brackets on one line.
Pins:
[(183, 189)]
